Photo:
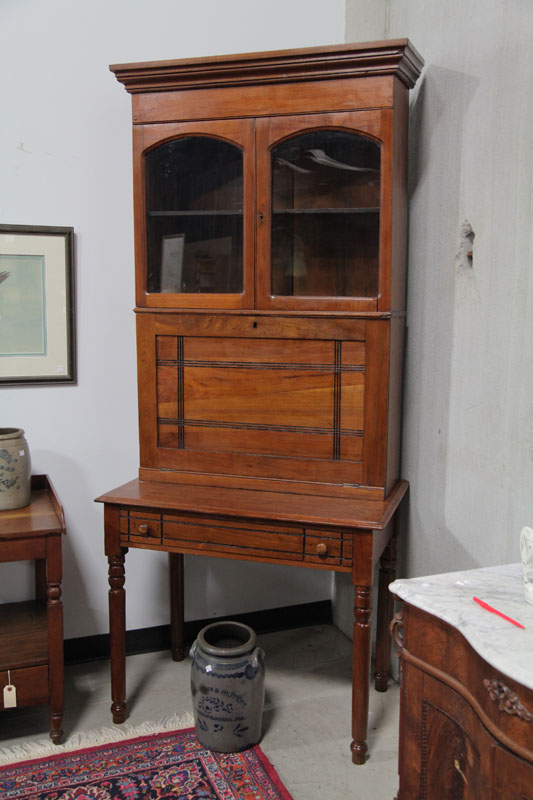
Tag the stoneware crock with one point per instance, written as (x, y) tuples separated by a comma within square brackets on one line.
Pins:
[(227, 685), (15, 469)]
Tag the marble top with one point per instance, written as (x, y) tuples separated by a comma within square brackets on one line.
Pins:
[(450, 597)]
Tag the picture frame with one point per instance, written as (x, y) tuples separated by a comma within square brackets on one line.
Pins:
[(172, 262), (37, 305)]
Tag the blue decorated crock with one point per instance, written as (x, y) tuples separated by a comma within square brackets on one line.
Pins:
[(227, 685)]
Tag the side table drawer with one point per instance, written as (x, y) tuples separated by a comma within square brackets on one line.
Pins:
[(31, 684), (233, 538)]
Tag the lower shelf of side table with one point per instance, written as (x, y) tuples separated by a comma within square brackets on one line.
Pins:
[(24, 651)]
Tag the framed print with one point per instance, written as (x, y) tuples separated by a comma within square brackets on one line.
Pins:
[(37, 341)]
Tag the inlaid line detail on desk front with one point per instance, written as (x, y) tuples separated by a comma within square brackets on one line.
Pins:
[(337, 388), (181, 393), (259, 365), (252, 426)]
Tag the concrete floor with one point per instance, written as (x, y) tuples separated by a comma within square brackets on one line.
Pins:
[(306, 719)]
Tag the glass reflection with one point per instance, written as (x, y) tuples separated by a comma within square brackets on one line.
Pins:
[(325, 215), (194, 220)]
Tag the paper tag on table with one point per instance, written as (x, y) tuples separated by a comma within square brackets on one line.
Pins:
[(10, 696)]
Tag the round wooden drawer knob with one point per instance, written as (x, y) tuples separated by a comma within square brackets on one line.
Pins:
[(143, 528), (321, 549)]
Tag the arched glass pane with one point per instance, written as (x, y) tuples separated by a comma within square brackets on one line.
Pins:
[(194, 216), (325, 215)]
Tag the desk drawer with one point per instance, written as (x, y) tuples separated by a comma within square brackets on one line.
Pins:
[(139, 527), (330, 548), (31, 684), (244, 539)]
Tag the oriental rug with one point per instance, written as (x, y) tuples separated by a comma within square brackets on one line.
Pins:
[(163, 766)]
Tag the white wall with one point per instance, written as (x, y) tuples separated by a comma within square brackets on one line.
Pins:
[(65, 159), (468, 417)]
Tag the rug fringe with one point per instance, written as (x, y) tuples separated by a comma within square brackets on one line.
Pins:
[(78, 741)]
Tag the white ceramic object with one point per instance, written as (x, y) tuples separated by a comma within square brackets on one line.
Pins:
[(526, 554)]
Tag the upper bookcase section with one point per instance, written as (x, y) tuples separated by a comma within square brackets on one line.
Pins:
[(272, 181), (391, 57)]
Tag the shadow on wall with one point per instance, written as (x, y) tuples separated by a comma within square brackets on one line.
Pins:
[(437, 109), (452, 555), (436, 136)]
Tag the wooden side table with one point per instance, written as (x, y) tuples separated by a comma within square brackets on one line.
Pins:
[(31, 632)]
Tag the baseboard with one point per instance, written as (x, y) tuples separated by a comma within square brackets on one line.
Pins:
[(147, 640)]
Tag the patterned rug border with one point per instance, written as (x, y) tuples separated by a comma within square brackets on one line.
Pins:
[(87, 740), (56, 752), (272, 773)]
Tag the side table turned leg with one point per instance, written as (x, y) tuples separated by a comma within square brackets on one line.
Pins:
[(56, 667), (55, 662), (117, 635), (387, 573), (361, 671)]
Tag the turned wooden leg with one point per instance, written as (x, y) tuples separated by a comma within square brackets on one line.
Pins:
[(387, 573), (177, 644), (361, 671), (56, 669), (117, 635)]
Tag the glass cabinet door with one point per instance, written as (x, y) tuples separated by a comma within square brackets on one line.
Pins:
[(322, 237), (194, 206)]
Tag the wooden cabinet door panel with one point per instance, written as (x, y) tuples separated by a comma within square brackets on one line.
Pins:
[(317, 226), (455, 750), (273, 397), (255, 396), (233, 350), (218, 209), (268, 405), (269, 442)]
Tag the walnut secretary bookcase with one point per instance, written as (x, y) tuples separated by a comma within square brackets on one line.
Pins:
[(270, 230)]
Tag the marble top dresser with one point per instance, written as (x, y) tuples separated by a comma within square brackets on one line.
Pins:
[(466, 717)]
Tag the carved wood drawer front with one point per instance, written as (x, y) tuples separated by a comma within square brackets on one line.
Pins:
[(328, 547), (140, 527), (31, 684), (233, 538)]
